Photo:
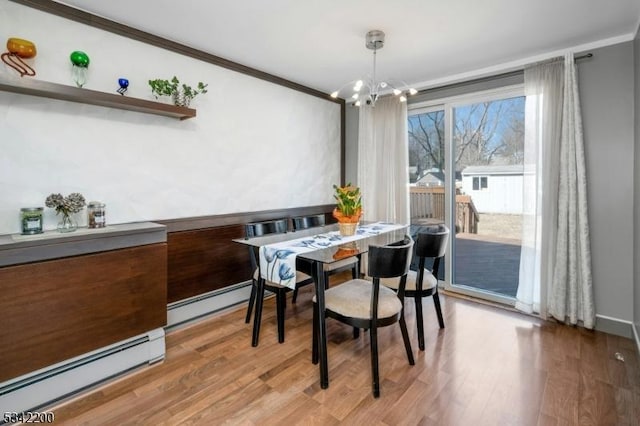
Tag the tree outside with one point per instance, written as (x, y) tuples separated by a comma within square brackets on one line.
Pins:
[(485, 133)]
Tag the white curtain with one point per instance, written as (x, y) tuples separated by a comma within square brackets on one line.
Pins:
[(383, 161), (555, 264)]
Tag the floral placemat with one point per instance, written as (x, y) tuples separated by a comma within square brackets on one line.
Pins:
[(278, 261)]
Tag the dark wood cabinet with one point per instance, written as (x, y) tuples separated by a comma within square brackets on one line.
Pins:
[(62, 296)]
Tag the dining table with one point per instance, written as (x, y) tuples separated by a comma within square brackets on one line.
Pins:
[(330, 247)]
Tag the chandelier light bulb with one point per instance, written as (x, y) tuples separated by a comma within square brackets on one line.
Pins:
[(412, 91), (383, 84), (355, 96), (357, 103), (403, 98), (397, 92), (334, 94)]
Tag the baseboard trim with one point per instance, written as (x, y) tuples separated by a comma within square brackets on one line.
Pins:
[(59, 381), (187, 310), (636, 335), (615, 326)]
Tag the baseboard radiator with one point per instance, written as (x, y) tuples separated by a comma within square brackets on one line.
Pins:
[(187, 310), (54, 383)]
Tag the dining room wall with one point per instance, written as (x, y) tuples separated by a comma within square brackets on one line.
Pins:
[(636, 185), (605, 84), (606, 95), (253, 146)]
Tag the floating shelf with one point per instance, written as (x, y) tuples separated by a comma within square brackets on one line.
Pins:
[(45, 89)]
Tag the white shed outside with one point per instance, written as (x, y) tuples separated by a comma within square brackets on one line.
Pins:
[(494, 189)]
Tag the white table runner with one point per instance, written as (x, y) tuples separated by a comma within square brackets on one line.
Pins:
[(278, 261)]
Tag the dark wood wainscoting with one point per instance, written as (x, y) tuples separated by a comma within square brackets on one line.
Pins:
[(204, 260), (202, 255), (58, 309)]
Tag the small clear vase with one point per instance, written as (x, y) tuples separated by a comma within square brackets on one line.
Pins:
[(79, 75), (67, 223)]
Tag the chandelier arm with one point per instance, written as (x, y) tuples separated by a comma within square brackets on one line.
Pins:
[(337, 92), (374, 40)]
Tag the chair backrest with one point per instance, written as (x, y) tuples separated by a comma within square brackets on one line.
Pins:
[(258, 229), (304, 222), (390, 261), (432, 242)]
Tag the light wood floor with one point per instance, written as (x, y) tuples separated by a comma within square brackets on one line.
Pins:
[(487, 367)]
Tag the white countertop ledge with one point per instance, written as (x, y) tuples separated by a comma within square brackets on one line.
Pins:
[(17, 249)]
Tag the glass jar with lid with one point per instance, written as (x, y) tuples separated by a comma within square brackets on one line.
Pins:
[(31, 220), (96, 214)]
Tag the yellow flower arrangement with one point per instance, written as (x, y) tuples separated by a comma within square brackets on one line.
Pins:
[(349, 208)]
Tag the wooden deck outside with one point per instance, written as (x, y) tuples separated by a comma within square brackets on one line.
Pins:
[(486, 263), (427, 204), (483, 262)]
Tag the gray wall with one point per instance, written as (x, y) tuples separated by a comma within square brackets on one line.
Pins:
[(636, 245), (351, 143), (606, 92), (607, 100)]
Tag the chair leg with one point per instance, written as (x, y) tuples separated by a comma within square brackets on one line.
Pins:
[(405, 337), (281, 304), (252, 299), (374, 360), (257, 316), (436, 303), (295, 296), (419, 322), (356, 332), (314, 347), (354, 273)]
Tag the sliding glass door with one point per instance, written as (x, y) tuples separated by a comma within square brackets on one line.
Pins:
[(466, 157)]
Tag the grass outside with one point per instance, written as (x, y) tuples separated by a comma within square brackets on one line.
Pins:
[(500, 226)]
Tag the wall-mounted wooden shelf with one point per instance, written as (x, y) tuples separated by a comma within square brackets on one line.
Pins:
[(45, 89)]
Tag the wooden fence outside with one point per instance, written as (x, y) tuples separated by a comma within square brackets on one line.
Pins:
[(428, 203)]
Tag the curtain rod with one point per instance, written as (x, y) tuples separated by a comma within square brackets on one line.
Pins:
[(588, 55), (488, 78)]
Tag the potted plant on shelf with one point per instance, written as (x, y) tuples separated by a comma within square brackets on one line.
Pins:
[(182, 94), (349, 208)]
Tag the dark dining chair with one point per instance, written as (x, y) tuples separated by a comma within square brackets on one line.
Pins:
[(317, 220), (368, 305), (430, 243), (257, 229)]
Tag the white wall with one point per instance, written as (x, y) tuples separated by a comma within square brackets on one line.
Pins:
[(253, 145), (502, 195)]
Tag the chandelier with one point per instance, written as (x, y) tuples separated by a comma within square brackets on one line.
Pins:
[(368, 89)]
